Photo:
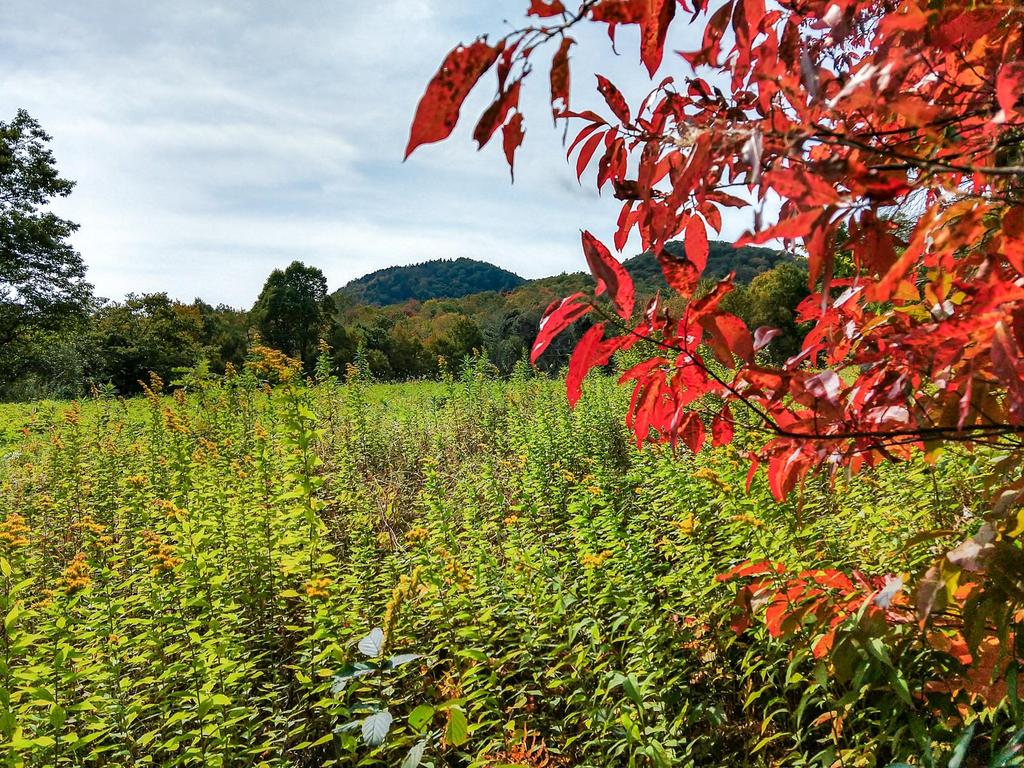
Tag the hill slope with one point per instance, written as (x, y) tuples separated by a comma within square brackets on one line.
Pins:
[(437, 279)]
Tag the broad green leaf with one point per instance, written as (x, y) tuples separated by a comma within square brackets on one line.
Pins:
[(375, 727), (457, 731), (415, 755), (963, 744), (420, 716)]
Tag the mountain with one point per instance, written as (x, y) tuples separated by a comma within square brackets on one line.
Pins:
[(437, 279), (407, 318)]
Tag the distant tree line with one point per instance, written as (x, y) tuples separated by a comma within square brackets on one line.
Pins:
[(57, 340)]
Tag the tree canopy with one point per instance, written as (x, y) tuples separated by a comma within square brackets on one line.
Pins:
[(293, 310)]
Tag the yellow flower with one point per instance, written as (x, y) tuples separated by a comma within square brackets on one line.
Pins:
[(511, 520), (317, 588), (169, 509), (596, 561), (749, 520), (417, 534), (13, 531), (77, 575), (456, 571), (686, 526), (273, 364), (161, 556)]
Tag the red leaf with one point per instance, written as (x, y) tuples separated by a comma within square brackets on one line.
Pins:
[(696, 243), (495, 114), (690, 429), (747, 568), (586, 131), (587, 153), (559, 316), (560, 77), (619, 11), (512, 138), (728, 336), (1010, 86), (616, 101), (627, 220), (438, 110), (751, 471), (784, 470), (680, 274), (721, 427), (763, 337), (591, 351), (803, 186), (610, 275), (653, 30), (545, 8), (613, 164), (794, 226)]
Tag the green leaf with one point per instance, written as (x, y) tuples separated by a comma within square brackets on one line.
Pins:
[(1011, 753), (375, 727), (420, 716), (457, 731), (350, 672), (899, 684), (402, 658), (632, 688), (962, 745)]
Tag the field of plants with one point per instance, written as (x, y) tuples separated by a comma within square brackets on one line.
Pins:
[(263, 570)]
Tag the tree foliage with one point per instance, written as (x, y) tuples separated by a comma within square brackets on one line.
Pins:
[(42, 277), (293, 310), (855, 114)]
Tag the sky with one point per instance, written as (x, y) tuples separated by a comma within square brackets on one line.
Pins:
[(213, 142)]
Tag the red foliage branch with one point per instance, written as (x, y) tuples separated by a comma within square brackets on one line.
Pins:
[(893, 129)]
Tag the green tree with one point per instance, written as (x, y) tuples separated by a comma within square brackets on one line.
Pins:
[(42, 278), (225, 334), (146, 333), (453, 337), (770, 300), (293, 311)]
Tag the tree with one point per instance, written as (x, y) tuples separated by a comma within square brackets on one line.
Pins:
[(42, 278), (143, 334), (293, 311), (770, 300), (856, 113), (225, 334)]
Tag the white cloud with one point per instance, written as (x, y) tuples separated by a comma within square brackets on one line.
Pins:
[(213, 142)]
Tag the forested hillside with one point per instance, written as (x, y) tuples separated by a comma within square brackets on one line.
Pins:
[(437, 279)]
